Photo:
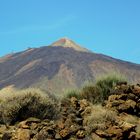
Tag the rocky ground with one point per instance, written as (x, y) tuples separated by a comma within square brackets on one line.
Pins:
[(117, 119)]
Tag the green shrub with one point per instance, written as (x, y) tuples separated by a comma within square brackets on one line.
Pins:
[(30, 104), (73, 93), (90, 93), (106, 84), (98, 92)]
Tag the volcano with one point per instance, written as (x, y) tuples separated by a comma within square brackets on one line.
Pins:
[(61, 66)]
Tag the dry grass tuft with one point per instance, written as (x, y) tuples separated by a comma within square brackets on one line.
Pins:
[(18, 105), (99, 117)]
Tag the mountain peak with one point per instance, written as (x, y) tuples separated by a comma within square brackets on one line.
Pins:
[(68, 43)]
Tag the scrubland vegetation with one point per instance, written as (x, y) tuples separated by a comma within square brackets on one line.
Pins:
[(106, 109), (100, 91), (18, 105)]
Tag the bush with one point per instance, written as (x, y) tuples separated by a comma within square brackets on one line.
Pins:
[(106, 84), (90, 93), (73, 93), (22, 106), (98, 92), (99, 117)]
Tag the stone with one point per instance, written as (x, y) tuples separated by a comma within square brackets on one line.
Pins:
[(80, 134), (125, 88), (57, 136), (79, 121), (33, 132), (117, 97), (122, 83), (50, 130), (128, 106), (23, 134), (114, 103), (132, 136), (33, 120), (74, 128), (33, 126), (83, 104), (96, 137), (87, 111), (68, 122), (131, 103), (114, 131), (127, 126), (61, 125), (132, 97), (102, 134), (136, 90), (74, 102), (64, 133), (42, 135), (23, 125), (2, 129)]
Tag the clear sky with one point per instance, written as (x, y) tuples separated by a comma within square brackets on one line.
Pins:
[(111, 27)]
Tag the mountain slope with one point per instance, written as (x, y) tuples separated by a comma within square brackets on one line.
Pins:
[(60, 66)]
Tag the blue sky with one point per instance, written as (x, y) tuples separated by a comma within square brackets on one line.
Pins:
[(111, 27)]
